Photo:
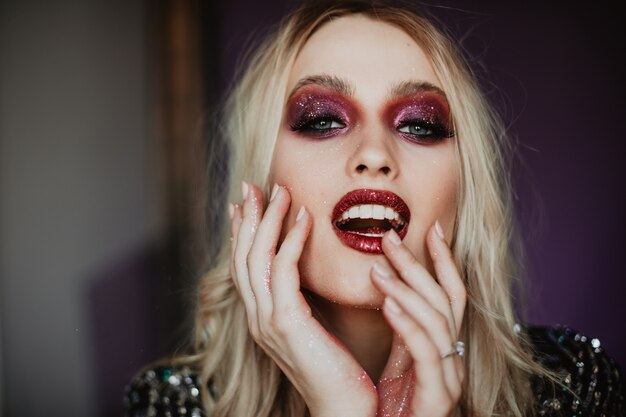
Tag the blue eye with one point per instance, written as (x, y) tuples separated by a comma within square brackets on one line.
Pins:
[(323, 126), (423, 131), (319, 124), (416, 129)]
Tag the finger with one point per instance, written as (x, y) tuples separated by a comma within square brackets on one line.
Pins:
[(416, 276), (263, 248), (447, 274), (241, 279), (235, 223), (247, 230), (288, 298), (416, 308), (431, 392)]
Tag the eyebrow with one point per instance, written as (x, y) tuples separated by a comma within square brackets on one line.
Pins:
[(409, 88), (344, 87), (331, 82)]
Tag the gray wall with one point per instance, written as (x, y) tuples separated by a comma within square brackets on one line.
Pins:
[(79, 187)]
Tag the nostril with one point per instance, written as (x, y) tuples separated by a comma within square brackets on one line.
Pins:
[(386, 170), (361, 168)]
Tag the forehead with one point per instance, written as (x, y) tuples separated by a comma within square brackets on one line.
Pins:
[(372, 55)]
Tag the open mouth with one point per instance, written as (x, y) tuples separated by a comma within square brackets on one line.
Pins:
[(370, 220), (361, 218)]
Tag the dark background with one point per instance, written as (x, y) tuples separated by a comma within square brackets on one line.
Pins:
[(101, 108)]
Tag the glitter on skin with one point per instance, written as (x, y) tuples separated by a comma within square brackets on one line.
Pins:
[(255, 213), (312, 104), (395, 395), (428, 111), (267, 276)]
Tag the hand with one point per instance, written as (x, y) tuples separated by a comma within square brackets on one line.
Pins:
[(280, 321), (426, 315)]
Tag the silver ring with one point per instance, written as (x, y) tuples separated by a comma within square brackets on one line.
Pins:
[(458, 348)]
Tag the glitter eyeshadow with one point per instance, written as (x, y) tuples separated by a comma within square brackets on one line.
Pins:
[(313, 105), (427, 109)]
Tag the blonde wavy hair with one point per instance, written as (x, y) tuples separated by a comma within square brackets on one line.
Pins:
[(239, 379)]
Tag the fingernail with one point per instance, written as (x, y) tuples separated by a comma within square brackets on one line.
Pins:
[(300, 213), (439, 230), (392, 306), (244, 189), (393, 237), (231, 210), (274, 191)]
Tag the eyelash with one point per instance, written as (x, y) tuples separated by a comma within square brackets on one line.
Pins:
[(306, 125), (434, 131)]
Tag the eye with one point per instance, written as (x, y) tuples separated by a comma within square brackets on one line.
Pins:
[(325, 124), (318, 126), (423, 131), (416, 128)]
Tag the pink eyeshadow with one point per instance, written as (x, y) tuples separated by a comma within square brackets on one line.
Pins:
[(429, 107), (313, 103)]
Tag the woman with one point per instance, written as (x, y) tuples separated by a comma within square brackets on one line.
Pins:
[(368, 267)]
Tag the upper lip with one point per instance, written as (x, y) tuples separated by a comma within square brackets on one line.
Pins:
[(374, 197)]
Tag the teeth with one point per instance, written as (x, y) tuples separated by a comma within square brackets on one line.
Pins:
[(365, 211), (378, 212), (370, 211), (371, 234)]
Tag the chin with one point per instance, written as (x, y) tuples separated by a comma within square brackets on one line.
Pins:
[(346, 284)]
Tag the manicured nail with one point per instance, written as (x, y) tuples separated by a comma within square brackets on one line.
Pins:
[(300, 213), (392, 306), (274, 191), (231, 210), (393, 237), (244, 189), (439, 230)]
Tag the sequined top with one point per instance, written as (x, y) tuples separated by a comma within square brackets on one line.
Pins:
[(582, 364)]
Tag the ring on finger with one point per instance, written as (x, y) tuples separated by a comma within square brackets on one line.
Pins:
[(458, 348)]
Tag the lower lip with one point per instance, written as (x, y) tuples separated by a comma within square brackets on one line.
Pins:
[(372, 245)]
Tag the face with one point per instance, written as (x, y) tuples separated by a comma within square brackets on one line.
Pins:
[(365, 144)]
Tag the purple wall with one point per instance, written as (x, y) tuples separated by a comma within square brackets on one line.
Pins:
[(557, 74)]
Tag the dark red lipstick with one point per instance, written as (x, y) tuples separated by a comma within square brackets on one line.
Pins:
[(362, 216)]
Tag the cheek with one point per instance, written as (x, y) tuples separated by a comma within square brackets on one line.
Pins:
[(306, 167), (434, 177), (308, 171), (435, 197), (443, 185)]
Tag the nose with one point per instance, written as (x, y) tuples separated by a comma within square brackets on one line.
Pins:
[(373, 157)]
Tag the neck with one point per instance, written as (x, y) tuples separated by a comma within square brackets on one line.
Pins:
[(365, 333)]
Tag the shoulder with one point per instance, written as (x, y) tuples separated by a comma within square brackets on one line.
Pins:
[(591, 381), (161, 391)]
